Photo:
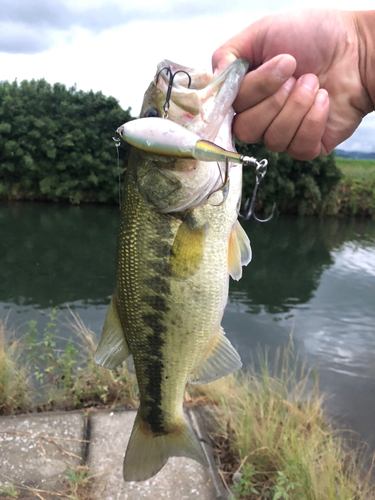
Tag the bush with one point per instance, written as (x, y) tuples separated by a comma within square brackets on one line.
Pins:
[(297, 187), (56, 143)]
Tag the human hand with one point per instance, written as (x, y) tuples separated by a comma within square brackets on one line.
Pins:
[(306, 91)]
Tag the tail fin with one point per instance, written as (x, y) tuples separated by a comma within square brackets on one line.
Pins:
[(146, 453)]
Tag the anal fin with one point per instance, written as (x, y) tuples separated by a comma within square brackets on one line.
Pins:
[(221, 360), (113, 348)]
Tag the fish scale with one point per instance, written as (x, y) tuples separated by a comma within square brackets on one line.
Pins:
[(173, 268)]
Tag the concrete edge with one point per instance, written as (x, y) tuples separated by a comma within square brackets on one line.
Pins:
[(43, 414), (196, 421)]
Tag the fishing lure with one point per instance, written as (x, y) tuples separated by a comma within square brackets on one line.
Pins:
[(163, 137)]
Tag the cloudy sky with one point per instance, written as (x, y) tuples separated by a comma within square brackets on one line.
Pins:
[(115, 45)]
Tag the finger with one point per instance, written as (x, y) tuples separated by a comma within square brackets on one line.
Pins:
[(280, 133), (264, 81), (250, 125), (307, 142), (222, 57), (241, 45)]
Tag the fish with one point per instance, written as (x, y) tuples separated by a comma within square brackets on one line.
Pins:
[(179, 241)]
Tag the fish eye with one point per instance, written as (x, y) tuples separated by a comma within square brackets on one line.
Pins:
[(150, 113)]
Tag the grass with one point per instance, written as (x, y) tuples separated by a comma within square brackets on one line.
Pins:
[(8, 491), (66, 377), (78, 484), (357, 170), (270, 436), (273, 442), (355, 194), (14, 388)]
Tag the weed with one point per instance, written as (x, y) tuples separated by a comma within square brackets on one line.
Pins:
[(247, 482), (67, 377), (80, 483), (13, 378), (7, 490), (282, 487), (272, 426), (42, 351)]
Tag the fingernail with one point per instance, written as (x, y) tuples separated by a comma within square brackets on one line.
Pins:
[(310, 81), (321, 97), (285, 67)]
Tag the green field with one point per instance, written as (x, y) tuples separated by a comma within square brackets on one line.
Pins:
[(357, 170)]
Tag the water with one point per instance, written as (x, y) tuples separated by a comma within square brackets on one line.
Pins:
[(313, 278)]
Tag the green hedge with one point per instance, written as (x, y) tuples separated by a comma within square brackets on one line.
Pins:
[(297, 187), (56, 143)]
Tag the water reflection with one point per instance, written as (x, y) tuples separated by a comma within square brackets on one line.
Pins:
[(317, 281), (53, 254), (313, 277), (289, 257)]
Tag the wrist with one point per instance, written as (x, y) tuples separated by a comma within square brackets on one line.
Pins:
[(365, 26)]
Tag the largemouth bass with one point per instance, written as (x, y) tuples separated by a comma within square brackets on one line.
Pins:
[(179, 240)]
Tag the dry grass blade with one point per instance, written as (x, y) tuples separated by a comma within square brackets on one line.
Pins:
[(13, 375), (270, 427), (85, 335)]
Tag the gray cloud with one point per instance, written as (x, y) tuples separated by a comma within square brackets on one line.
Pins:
[(363, 139), (17, 39), (30, 26)]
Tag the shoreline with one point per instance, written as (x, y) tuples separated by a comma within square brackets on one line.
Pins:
[(350, 198), (267, 428)]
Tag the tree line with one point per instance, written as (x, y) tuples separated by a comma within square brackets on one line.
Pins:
[(56, 145)]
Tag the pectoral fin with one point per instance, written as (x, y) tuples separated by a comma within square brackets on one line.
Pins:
[(239, 251), (220, 360), (113, 348), (187, 250)]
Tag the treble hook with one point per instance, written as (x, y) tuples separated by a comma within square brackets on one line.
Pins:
[(170, 84), (249, 208)]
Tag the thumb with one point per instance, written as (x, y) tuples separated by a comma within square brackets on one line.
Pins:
[(247, 43), (221, 58)]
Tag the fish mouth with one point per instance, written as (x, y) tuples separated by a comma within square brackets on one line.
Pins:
[(202, 106)]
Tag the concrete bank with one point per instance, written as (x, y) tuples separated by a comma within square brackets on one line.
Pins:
[(37, 449)]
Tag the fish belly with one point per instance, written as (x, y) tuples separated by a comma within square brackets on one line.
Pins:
[(172, 287), (168, 320)]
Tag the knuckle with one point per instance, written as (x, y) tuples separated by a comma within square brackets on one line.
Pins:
[(277, 102), (312, 121), (274, 141), (247, 136), (246, 132), (303, 151), (302, 100)]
